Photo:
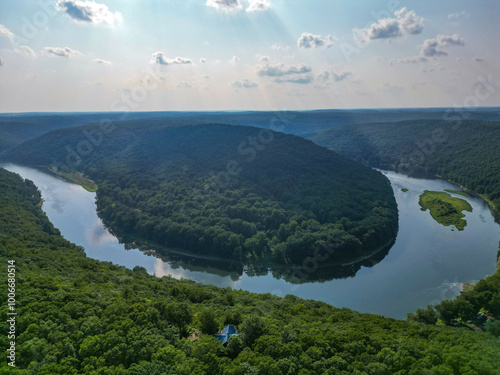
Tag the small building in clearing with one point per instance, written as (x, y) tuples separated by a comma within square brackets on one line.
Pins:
[(228, 332)]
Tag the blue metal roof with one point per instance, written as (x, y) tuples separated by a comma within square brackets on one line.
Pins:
[(228, 332)]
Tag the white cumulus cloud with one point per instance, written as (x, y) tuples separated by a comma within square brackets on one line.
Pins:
[(88, 11), (277, 70), (26, 51), (258, 5), (327, 76), (405, 23), (61, 52), (225, 5), (162, 59), (308, 40), (434, 47)]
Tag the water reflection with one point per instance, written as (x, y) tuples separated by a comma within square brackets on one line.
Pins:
[(297, 274), (427, 263)]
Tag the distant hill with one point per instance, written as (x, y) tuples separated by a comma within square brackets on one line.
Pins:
[(466, 152), (18, 128), (238, 192)]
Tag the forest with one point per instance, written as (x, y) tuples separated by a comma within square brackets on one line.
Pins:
[(17, 128), (82, 316), (464, 152), (237, 192)]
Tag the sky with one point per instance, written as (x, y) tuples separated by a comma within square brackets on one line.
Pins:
[(208, 55)]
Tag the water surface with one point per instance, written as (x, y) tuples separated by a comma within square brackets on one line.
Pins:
[(426, 264)]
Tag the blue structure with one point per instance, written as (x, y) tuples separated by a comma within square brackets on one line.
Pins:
[(226, 334)]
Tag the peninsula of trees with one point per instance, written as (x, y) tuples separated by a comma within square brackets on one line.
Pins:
[(237, 192)]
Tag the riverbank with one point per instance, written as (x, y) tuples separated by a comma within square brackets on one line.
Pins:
[(75, 177), (409, 276)]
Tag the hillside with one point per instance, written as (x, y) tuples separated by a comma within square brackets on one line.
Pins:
[(21, 127), (465, 153), (229, 191), (82, 316)]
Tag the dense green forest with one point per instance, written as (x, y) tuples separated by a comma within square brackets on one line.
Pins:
[(236, 192), (462, 151), (81, 316), (16, 128)]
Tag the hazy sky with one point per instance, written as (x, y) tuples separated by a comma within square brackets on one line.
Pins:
[(106, 55)]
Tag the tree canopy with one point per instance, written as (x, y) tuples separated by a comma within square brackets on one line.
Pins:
[(83, 316), (236, 192)]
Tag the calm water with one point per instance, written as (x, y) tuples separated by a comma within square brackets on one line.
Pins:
[(426, 264)]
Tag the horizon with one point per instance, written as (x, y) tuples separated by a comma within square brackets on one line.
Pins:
[(260, 111)]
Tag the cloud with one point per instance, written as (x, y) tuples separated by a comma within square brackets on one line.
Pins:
[(305, 79), (308, 40), (330, 41), (234, 60), (103, 62), (225, 5), (458, 16), (184, 85), (279, 47), (409, 22), (434, 47), (2, 62), (327, 76), (278, 70), (408, 60), (245, 84), (88, 11), (478, 59), (162, 59), (203, 60), (61, 52), (5, 32), (26, 51), (264, 59), (258, 5), (405, 23)]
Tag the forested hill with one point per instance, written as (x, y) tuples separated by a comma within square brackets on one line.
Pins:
[(81, 316), (237, 192), (463, 151), (18, 128)]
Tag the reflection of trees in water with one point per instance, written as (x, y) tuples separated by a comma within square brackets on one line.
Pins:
[(327, 272), (293, 274)]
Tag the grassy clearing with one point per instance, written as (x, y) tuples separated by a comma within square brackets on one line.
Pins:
[(404, 190), (77, 178), (444, 208)]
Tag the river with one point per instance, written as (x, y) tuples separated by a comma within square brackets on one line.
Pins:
[(427, 263)]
